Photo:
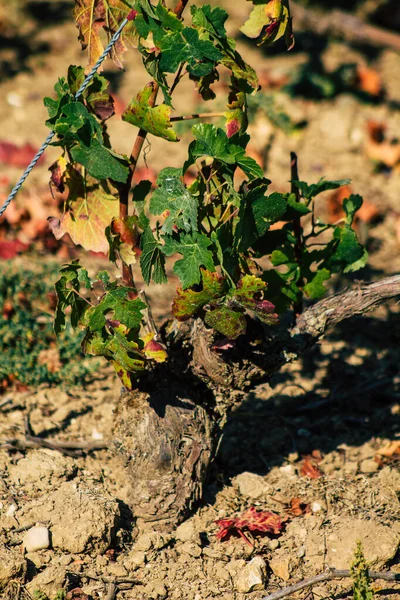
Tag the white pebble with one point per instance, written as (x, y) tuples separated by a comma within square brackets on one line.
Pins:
[(37, 538)]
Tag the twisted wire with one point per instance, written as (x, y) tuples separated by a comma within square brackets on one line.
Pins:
[(79, 93)]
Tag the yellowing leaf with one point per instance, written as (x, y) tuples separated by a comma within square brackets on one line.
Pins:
[(92, 16), (89, 209), (155, 120), (153, 349), (271, 21)]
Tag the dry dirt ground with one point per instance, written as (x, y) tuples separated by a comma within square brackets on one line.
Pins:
[(341, 402)]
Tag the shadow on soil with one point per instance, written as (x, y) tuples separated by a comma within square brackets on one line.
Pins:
[(354, 381)]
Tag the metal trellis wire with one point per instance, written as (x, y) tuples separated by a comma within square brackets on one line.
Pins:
[(47, 141)]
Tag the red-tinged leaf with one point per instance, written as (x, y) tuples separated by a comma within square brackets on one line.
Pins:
[(251, 520), (17, 156), (223, 345), (11, 248), (310, 470), (154, 350), (187, 302), (93, 16), (58, 171), (126, 241)]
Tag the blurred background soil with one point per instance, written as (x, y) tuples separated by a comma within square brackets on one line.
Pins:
[(323, 435)]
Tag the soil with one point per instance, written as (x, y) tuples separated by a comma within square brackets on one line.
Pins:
[(339, 405)]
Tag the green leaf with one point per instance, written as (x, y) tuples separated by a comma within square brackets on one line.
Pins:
[(186, 46), (141, 190), (155, 120), (195, 252), (348, 255), (188, 302), (227, 321), (351, 206), (89, 209), (101, 162), (152, 261), (310, 191), (213, 141), (257, 213), (55, 106), (116, 305), (212, 19), (95, 95), (315, 288), (172, 199), (68, 297)]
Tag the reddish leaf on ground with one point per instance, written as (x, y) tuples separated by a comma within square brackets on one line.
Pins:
[(11, 248), (390, 449), (369, 81), (379, 148), (368, 213), (16, 156), (77, 594), (298, 508), (310, 469), (250, 520)]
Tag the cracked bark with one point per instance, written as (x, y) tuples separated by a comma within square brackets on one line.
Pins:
[(167, 430)]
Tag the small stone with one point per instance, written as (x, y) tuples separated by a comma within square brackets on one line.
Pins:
[(36, 538), (144, 542), (235, 566), (50, 581), (12, 566), (221, 572), (281, 567), (116, 570), (253, 576), (273, 545), (155, 590), (187, 532), (190, 549), (301, 552), (37, 558), (66, 560), (135, 559), (316, 507), (369, 466), (251, 485)]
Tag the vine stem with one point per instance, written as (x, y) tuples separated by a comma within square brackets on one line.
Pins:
[(197, 116), (298, 248), (127, 274), (327, 576)]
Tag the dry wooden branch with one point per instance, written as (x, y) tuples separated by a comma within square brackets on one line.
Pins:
[(332, 310), (74, 449), (327, 576), (341, 24)]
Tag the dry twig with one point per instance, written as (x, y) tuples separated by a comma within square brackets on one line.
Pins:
[(327, 576)]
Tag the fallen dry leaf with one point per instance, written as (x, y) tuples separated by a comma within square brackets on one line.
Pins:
[(308, 469), (378, 148), (250, 520), (368, 213), (11, 248), (368, 81), (390, 449), (298, 508), (17, 156)]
